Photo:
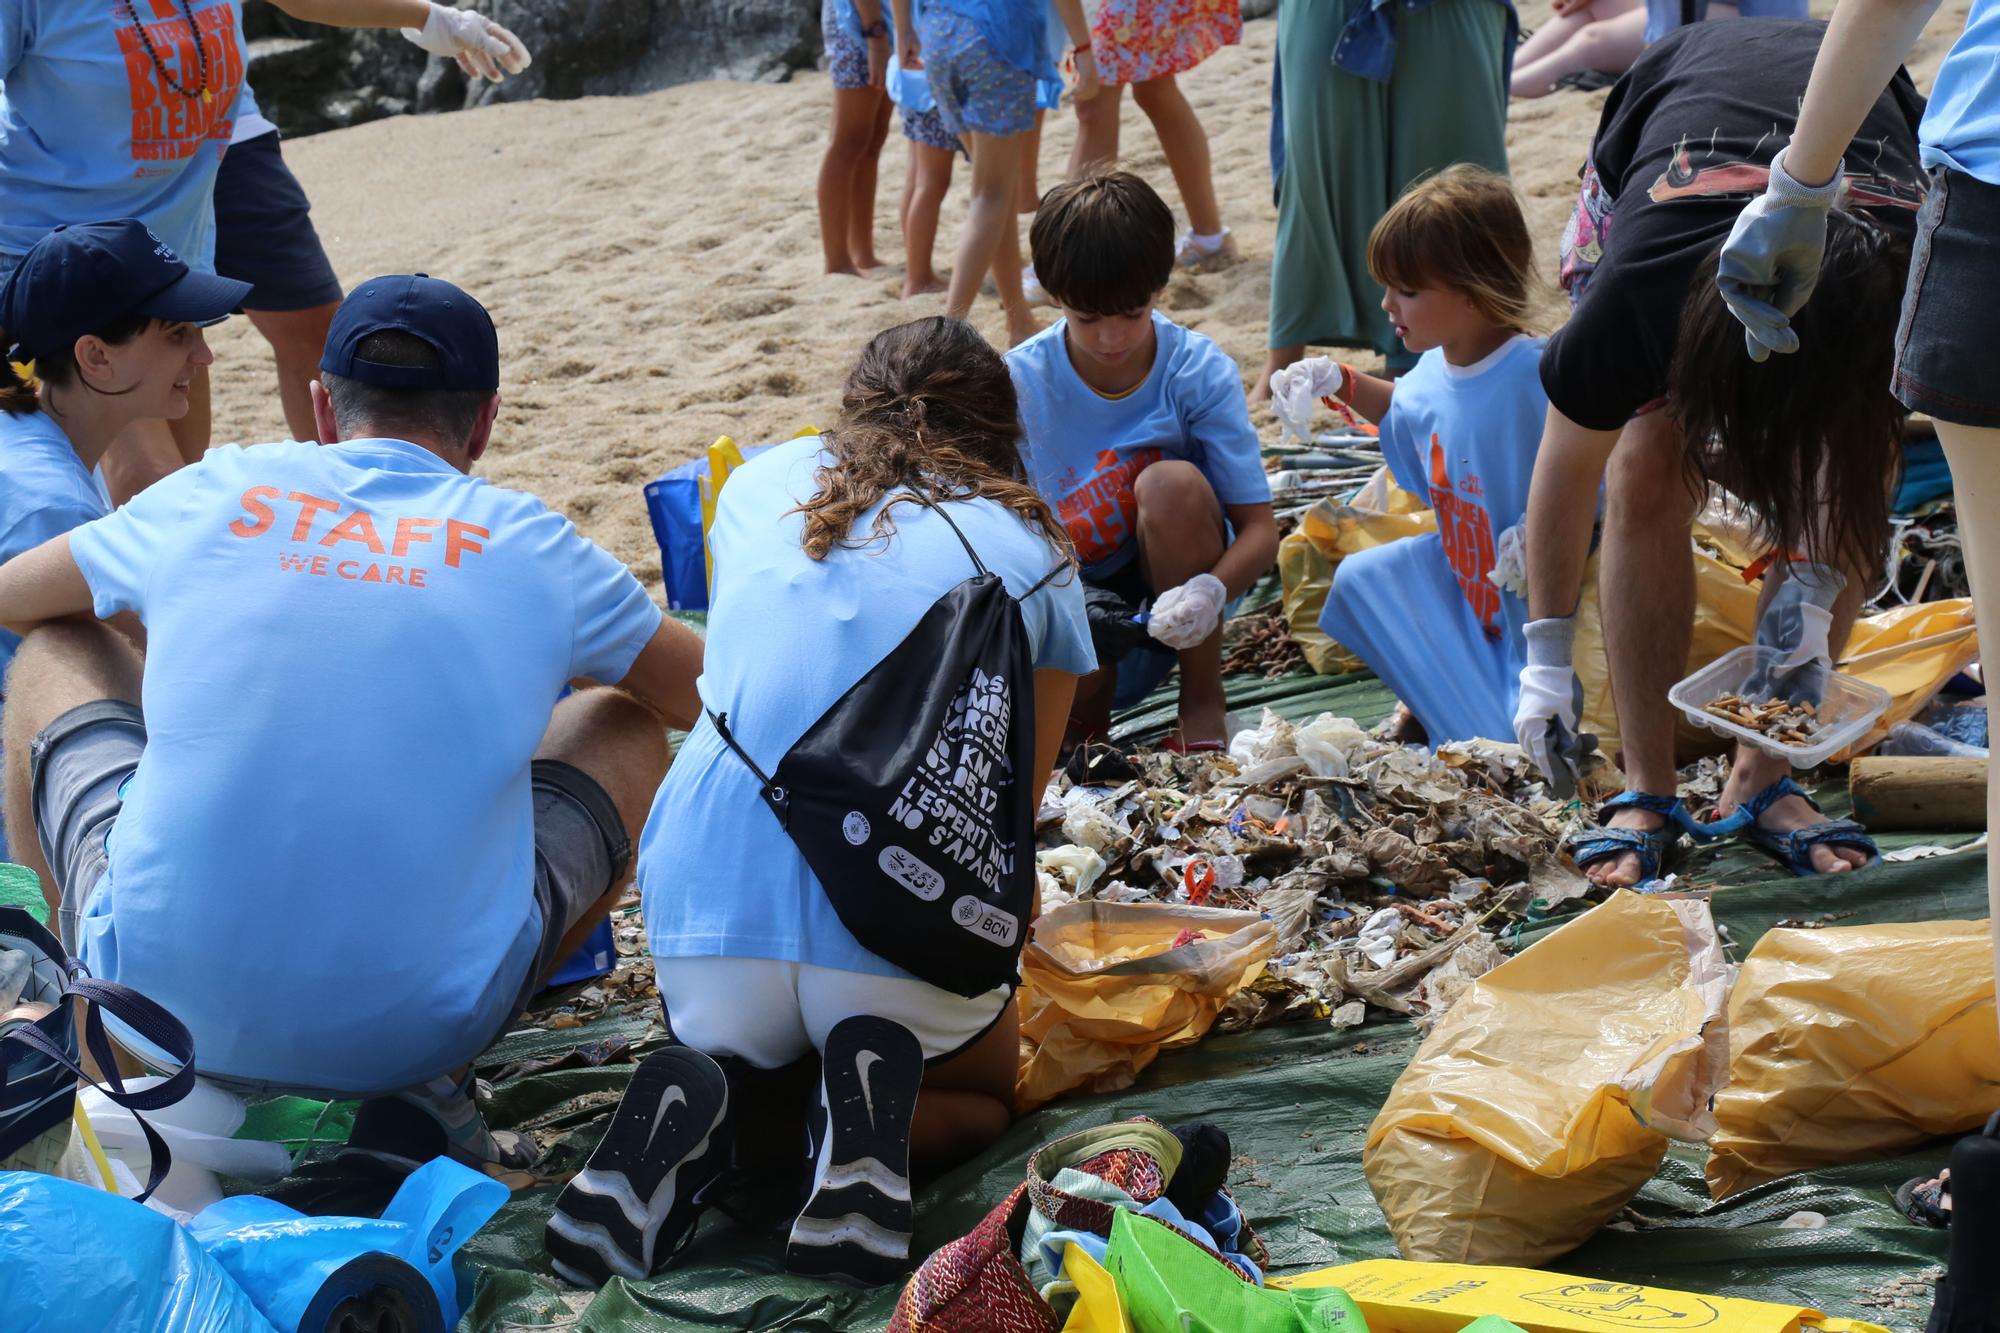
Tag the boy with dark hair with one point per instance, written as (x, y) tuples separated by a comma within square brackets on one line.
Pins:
[(1137, 432)]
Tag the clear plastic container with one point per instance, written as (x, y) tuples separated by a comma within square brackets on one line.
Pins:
[(1850, 708)]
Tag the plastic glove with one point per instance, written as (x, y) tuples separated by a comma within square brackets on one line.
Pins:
[(1184, 616), (483, 49), (1297, 389), (1510, 565), (1793, 653), (1551, 698), (1770, 263), (1113, 631)]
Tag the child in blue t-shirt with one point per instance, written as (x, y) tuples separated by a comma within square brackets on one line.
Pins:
[(1137, 432), (1460, 430)]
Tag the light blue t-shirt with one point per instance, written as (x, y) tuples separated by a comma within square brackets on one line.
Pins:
[(45, 490), (1961, 126), (325, 862), (1084, 451), (91, 127), (787, 637)]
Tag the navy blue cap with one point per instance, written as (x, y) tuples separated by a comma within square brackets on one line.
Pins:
[(457, 326), (78, 279)]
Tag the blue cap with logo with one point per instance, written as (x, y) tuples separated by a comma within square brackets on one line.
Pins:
[(431, 309), (79, 279)]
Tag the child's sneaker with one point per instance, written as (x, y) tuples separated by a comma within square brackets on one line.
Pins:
[(646, 1184), (439, 1119), (1195, 251), (856, 1224)]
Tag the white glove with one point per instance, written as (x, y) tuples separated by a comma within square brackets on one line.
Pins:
[(483, 49), (1545, 717), (1510, 565), (1297, 389), (1186, 615)]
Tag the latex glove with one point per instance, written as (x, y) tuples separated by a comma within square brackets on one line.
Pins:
[(1770, 263), (1545, 719), (483, 49), (1184, 616), (1793, 653), (1510, 565), (1113, 631), (1296, 391)]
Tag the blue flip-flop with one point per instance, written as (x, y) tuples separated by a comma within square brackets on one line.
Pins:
[(1600, 842), (1794, 848)]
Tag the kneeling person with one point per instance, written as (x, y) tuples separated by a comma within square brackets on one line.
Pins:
[(353, 830)]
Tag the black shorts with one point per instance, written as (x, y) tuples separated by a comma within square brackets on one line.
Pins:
[(264, 233), (1951, 308)]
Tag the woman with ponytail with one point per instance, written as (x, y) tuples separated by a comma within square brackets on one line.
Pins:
[(833, 556), (100, 330)]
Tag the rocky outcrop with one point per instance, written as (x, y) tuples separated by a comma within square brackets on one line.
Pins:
[(309, 78)]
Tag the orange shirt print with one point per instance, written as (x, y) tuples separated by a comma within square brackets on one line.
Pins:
[(1467, 531), (1101, 512), (169, 125)]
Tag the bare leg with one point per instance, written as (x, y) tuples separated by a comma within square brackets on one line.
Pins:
[(854, 116), (1646, 587), (298, 339), (622, 746), (1031, 169), (1181, 535), (1097, 131), (191, 431), (1185, 143), (1974, 455), (1274, 361), (1021, 322), (996, 176), (144, 452), (57, 667), (967, 1102), (861, 204), (930, 181), (1609, 45)]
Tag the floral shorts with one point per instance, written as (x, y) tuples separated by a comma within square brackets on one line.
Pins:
[(1136, 41), (976, 91), (926, 127), (846, 56)]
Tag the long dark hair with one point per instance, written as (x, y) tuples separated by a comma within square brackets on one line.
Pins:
[(930, 406), (1808, 440), (20, 395)]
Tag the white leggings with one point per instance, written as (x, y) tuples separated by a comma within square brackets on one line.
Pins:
[(771, 1013)]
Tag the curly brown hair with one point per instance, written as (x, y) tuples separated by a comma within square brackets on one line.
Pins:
[(929, 407)]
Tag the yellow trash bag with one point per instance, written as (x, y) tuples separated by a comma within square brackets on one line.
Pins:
[(1911, 652), (1397, 1296), (1105, 987), (1855, 1043), (1328, 533), (1097, 1308), (1544, 1099)]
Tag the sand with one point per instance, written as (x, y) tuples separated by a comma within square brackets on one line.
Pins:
[(653, 262)]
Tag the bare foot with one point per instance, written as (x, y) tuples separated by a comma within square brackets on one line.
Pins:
[(1623, 870), (1402, 728), (1786, 814), (1021, 327), (849, 271), (868, 263), (1202, 722), (915, 287)]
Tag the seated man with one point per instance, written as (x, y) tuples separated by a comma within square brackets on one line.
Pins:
[(353, 830)]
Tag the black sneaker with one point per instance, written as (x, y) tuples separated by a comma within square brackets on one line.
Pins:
[(640, 1194), (856, 1223), (440, 1119)]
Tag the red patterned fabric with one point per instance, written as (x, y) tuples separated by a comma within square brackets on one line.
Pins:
[(976, 1284)]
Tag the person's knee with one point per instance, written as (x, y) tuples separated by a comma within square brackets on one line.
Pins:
[(1175, 492), (1648, 478), (618, 742), (296, 335), (1157, 94), (60, 666)]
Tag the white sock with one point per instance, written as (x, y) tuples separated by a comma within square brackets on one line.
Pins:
[(1202, 242)]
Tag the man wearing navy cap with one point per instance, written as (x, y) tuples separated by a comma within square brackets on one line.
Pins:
[(353, 830)]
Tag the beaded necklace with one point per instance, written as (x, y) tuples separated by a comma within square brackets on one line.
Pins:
[(201, 87)]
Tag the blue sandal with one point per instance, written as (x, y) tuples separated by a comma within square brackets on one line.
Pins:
[(1794, 848), (1600, 842)]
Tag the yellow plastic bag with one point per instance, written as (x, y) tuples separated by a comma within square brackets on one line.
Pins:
[(1328, 533), (1855, 1043), (1105, 989), (1097, 1308), (1543, 1101), (1911, 652), (1397, 1296)]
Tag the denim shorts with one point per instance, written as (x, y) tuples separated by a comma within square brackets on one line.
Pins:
[(81, 761), (1951, 307), (846, 55), (977, 92), (926, 127), (264, 233)]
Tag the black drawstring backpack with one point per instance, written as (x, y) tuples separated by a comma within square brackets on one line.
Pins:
[(913, 797)]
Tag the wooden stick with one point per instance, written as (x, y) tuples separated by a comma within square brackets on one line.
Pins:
[(1896, 650), (1933, 792)]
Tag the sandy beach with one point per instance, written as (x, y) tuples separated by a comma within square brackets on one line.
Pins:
[(653, 262)]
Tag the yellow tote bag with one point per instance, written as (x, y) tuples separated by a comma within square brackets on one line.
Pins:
[(1097, 1308)]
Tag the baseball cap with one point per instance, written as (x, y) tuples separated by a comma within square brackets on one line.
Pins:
[(456, 326), (77, 279)]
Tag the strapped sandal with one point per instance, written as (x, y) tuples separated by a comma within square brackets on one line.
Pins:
[(1923, 1198), (1600, 842), (1794, 848), (1177, 746)]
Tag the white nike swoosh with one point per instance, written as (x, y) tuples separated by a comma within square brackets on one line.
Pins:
[(674, 1094), (864, 1062)]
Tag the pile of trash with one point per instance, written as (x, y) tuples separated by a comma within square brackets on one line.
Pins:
[(1390, 873)]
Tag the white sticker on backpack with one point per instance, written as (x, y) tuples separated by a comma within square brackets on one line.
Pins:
[(855, 828), (911, 873), (989, 923)]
